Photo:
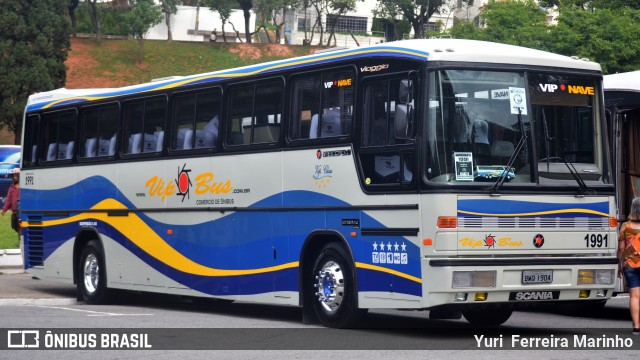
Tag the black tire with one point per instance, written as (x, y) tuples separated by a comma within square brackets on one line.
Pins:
[(92, 279), (484, 317), (333, 288)]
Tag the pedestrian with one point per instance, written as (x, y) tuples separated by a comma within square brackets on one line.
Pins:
[(13, 197), (629, 258)]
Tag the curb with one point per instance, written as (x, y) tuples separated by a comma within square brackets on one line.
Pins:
[(11, 259)]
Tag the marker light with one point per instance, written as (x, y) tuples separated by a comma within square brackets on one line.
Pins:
[(447, 222), (481, 296), (613, 222)]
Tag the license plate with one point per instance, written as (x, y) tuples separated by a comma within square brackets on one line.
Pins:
[(537, 276)]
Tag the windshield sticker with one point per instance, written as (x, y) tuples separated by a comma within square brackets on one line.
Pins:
[(518, 99), (464, 166)]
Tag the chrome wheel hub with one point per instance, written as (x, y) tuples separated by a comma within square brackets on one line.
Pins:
[(91, 275), (330, 286)]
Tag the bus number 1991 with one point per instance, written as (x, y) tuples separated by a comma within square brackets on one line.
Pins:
[(597, 240)]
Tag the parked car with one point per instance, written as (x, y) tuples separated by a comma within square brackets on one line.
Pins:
[(9, 160)]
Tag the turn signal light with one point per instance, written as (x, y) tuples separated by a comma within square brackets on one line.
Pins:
[(447, 222), (613, 222)]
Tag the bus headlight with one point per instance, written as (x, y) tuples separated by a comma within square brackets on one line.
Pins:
[(467, 279), (595, 277)]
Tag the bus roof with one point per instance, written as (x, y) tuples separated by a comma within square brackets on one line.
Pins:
[(453, 50), (629, 81)]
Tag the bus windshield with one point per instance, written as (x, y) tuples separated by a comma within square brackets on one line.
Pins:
[(478, 119)]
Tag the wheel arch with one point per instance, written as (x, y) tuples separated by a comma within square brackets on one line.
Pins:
[(83, 236), (311, 247)]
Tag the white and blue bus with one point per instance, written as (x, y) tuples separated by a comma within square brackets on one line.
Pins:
[(463, 177)]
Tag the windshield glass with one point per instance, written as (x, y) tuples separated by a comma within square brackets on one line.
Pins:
[(475, 123), (566, 127)]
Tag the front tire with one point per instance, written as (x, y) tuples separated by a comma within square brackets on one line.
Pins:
[(487, 316), (92, 279), (332, 283)]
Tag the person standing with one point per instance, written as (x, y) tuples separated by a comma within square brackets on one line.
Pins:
[(629, 259), (11, 202)]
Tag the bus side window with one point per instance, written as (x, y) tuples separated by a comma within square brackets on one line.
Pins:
[(59, 135), (384, 159), (98, 128), (30, 146), (195, 120), (144, 126), (255, 113), (322, 105)]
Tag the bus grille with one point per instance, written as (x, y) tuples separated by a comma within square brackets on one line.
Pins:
[(35, 245), (532, 222)]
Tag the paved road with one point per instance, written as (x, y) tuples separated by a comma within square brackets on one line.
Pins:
[(247, 331)]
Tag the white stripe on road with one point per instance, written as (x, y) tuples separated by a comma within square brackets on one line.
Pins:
[(91, 312)]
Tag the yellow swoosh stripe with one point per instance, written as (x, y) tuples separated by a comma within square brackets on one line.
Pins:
[(388, 271), (563, 211), (132, 226), (240, 74)]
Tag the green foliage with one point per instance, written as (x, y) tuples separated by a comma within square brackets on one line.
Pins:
[(608, 36), (143, 15), (416, 12), (515, 22), (34, 40), (112, 19), (587, 29), (8, 236)]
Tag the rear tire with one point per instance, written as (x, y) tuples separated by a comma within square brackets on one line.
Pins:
[(92, 279), (487, 316), (332, 283)]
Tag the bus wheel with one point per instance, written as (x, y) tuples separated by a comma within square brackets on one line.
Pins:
[(333, 279), (487, 316), (91, 275)]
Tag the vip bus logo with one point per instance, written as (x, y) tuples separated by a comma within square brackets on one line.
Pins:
[(538, 240), (183, 182), (490, 241)]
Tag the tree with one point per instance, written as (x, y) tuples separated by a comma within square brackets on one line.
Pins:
[(515, 22), (340, 7), (73, 5), (95, 18), (34, 42), (417, 12), (143, 15), (610, 37), (246, 5), (169, 7), (269, 11), (223, 8)]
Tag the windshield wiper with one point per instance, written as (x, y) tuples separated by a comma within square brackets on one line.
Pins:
[(583, 188), (521, 143)]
